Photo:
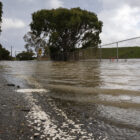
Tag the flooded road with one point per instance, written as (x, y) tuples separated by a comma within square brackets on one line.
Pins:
[(80, 100)]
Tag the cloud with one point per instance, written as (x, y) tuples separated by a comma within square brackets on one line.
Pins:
[(55, 4), (133, 3), (9, 23), (121, 18), (120, 23), (111, 4), (25, 0)]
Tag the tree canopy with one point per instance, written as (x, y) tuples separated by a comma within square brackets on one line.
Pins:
[(64, 30), (4, 54), (25, 55), (0, 14)]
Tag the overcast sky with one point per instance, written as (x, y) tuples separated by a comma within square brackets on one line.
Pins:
[(121, 18)]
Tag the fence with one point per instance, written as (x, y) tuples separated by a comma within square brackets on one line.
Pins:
[(79, 54), (124, 49)]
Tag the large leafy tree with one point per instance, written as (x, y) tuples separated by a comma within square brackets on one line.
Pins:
[(65, 30), (0, 14)]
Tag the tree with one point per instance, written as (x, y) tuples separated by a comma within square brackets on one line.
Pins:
[(34, 42), (4, 54), (25, 55), (65, 30), (0, 15)]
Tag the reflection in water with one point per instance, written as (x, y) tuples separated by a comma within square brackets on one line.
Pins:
[(84, 100)]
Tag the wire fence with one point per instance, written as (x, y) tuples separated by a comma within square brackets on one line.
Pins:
[(79, 54), (124, 49)]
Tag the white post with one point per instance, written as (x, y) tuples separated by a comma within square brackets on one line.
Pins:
[(100, 53), (11, 50), (15, 55), (117, 52)]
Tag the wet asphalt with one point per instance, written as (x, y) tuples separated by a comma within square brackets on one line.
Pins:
[(13, 109)]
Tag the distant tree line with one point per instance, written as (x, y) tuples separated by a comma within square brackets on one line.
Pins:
[(25, 55), (63, 30)]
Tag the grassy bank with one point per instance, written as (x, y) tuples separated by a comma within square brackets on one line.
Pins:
[(125, 52)]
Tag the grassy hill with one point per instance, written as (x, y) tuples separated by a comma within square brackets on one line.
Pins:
[(124, 52), (107, 53)]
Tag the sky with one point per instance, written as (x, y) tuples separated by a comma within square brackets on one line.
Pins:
[(121, 18)]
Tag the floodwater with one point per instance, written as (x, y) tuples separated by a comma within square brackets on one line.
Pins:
[(80, 100)]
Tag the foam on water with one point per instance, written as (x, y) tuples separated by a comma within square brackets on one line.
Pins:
[(31, 90)]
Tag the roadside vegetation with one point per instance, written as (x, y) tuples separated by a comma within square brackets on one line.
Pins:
[(4, 54), (25, 55)]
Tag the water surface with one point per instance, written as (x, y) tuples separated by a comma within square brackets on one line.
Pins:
[(81, 100)]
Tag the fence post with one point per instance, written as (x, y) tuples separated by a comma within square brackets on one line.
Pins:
[(117, 52), (100, 53)]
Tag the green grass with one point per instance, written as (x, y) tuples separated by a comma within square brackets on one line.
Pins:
[(124, 52)]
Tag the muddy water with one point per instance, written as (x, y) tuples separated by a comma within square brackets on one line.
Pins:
[(80, 100)]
